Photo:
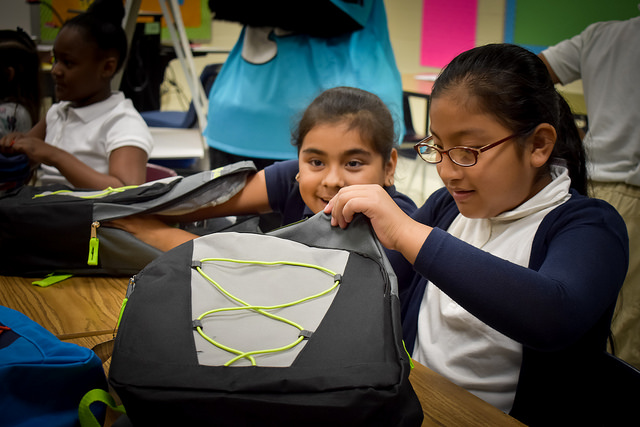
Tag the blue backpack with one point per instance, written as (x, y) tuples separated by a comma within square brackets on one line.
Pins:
[(43, 379)]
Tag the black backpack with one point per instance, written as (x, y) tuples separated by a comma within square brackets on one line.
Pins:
[(57, 229), (299, 326)]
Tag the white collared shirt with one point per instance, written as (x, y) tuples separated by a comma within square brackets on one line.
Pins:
[(456, 344), (91, 133)]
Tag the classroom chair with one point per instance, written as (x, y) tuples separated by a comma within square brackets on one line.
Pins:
[(155, 172), (410, 135), (619, 391), (166, 120), (182, 119), (417, 179)]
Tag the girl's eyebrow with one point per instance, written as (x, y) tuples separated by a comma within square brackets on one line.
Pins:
[(357, 152), (461, 133), (351, 152), (312, 151)]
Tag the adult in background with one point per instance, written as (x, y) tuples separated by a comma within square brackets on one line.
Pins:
[(606, 56), (288, 52)]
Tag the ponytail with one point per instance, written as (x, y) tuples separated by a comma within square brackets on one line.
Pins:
[(569, 146)]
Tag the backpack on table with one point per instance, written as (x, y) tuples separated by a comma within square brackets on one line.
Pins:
[(43, 379), (300, 326), (57, 229)]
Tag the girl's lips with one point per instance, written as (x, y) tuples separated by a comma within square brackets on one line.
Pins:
[(325, 199), (461, 195)]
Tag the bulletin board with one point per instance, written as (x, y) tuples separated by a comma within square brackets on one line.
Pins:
[(195, 15), (536, 24)]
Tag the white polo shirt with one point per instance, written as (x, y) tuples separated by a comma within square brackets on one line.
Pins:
[(91, 133)]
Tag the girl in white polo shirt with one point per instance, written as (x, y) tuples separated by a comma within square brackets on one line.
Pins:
[(93, 137)]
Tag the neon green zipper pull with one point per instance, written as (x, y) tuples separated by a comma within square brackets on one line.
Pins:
[(93, 244), (130, 288)]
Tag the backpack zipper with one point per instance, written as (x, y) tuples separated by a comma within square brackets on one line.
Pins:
[(130, 289), (93, 244)]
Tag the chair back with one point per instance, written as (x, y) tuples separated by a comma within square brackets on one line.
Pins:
[(619, 391), (183, 119), (155, 172), (207, 77)]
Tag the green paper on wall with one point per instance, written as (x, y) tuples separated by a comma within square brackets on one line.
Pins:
[(547, 23)]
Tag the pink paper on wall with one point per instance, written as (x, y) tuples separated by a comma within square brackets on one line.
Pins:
[(448, 28)]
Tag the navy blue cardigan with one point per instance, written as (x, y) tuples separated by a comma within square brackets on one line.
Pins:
[(559, 308)]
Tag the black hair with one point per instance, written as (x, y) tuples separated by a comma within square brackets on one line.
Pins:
[(513, 84), (18, 51), (362, 110), (102, 23)]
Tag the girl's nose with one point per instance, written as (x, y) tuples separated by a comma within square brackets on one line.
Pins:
[(334, 177), (54, 69), (448, 170)]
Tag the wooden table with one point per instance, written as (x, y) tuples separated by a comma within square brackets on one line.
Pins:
[(446, 404), (84, 310), (76, 307)]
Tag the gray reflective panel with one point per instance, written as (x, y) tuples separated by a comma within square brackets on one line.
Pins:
[(259, 285)]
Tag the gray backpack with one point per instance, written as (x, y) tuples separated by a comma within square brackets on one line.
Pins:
[(57, 229)]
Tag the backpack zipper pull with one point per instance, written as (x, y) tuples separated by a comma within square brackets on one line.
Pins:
[(130, 288), (93, 244)]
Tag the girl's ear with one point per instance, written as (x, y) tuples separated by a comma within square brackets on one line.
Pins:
[(11, 73), (109, 66), (543, 141), (390, 168)]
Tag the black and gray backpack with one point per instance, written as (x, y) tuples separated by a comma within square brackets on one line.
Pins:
[(296, 327), (57, 229)]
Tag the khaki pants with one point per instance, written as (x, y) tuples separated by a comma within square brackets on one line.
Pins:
[(626, 319)]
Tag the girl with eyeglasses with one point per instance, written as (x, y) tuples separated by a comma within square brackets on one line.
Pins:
[(510, 272)]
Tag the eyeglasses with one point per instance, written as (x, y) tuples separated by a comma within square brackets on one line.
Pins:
[(461, 156)]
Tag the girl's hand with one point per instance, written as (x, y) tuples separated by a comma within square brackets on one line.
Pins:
[(36, 149), (395, 229), (152, 231), (8, 141)]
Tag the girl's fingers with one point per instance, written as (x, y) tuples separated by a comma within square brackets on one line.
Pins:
[(350, 201)]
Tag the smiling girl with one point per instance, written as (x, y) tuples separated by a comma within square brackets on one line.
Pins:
[(345, 137), (93, 138), (514, 271)]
